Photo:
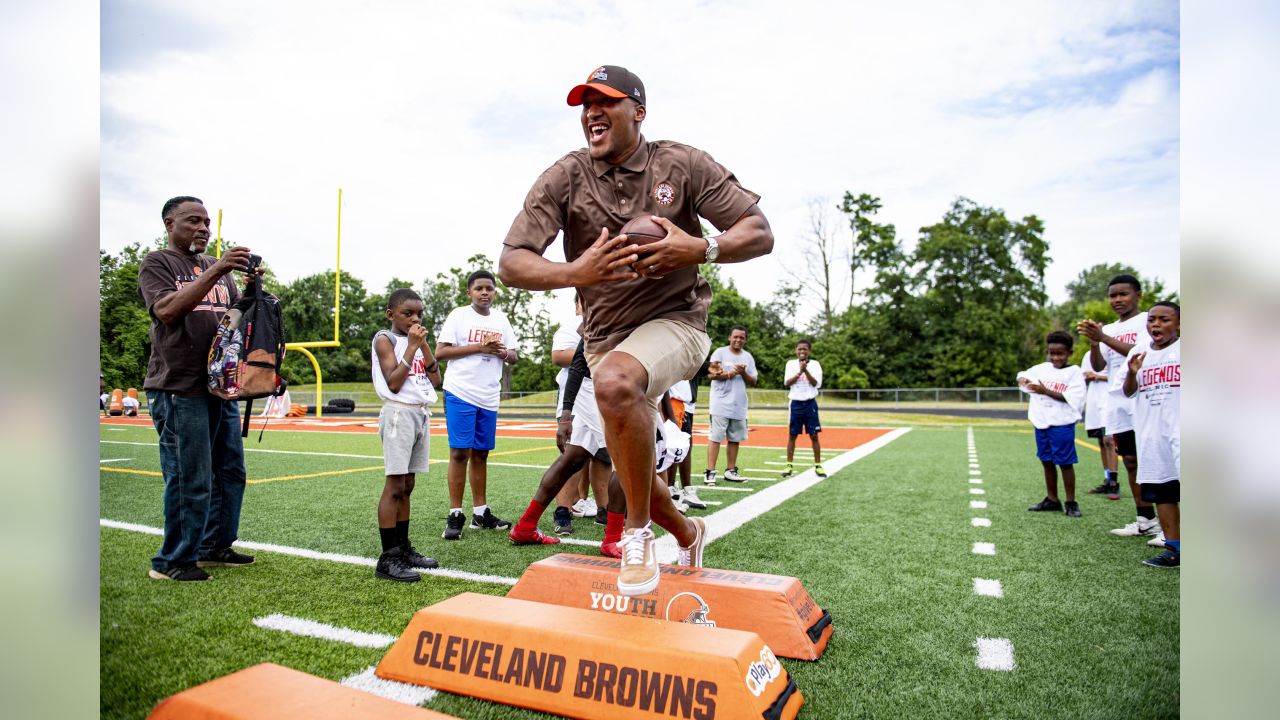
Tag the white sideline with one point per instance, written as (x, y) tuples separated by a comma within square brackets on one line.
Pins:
[(405, 693), (317, 555), (107, 460), (311, 628), (988, 588), (722, 487), (995, 653), (725, 521), (576, 541), (323, 454)]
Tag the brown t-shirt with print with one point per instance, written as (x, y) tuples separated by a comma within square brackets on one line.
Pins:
[(580, 195), (180, 350)]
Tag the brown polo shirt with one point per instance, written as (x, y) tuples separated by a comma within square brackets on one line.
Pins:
[(579, 196)]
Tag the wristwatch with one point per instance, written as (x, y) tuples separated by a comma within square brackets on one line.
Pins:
[(713, 249)]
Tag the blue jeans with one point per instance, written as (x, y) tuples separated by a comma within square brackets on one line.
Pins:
[(202, 459)]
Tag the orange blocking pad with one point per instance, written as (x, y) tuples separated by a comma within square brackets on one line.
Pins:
[(586, 664), (775, 607), (270, 691)]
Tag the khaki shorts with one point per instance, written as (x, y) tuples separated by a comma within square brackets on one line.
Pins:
[(670, 351)]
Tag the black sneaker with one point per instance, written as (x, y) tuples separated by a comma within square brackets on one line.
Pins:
[(1073, 509), (489, 521), (602, 517), (453, 526), (226, 557), (1166, 559), (564, 520), (413, 558), (393, 565), (188, 573), (1100, 490), (1046, 505)]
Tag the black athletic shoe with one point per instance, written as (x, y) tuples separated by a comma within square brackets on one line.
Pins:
[(189, 573), (563, 520), (226, 557), (413, 558), (393, 565), (1073, 509), (489, 521), (1166, 559), (1100, 490), (453, 526), (1046, 505), (602, 517)]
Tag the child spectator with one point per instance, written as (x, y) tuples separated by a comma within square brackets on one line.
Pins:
[(1109, 345), (1154, 378), (1095, 408), (405, 381), (731, 369), (1057, 394), (682, 408), (804, 376), (475, 341)]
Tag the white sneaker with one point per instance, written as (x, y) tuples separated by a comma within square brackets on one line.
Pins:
[(578, 507), (692, 556), (709, 478), (1141, 526), (690, 497), (732, 475), (589, 508), (681, 505), (638, 573), (1157, 541)]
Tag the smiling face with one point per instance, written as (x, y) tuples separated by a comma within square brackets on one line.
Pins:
[(481, 292), (1124, 299), (737, 339), (1163, 325), (611, 126), (1059, 355), (188, 228), (405, 315), (802, 351)]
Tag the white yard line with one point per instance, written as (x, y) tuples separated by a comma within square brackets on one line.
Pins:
[(576, 541), (326, 454), (723, 488), (311, 628), (987, 588), (984, 548), (978, 504), (725, 521), (977, 491), (980, 522), (975, 481), (995, 654), (405, 693), (105, 460), (317, 555)]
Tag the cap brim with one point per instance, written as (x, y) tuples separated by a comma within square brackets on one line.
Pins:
[(575, 95)]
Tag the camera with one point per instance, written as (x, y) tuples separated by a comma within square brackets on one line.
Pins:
[(254, 262)]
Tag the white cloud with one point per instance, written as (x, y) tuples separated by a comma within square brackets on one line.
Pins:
[(435, 119)]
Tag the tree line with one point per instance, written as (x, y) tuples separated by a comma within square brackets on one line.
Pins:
[(966, 306)]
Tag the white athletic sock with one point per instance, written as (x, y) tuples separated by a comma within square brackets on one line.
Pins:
[(479, 509), (455, 510)]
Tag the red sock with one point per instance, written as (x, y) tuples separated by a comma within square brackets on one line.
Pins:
[(529, 521), (613, 530)]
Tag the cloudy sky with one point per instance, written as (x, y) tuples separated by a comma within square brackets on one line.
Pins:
[(435, 118)]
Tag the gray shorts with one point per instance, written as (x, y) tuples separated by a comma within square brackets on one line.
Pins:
[(735, 429), (406, 440)]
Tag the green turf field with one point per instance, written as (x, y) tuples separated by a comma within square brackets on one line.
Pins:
[(885, 545)]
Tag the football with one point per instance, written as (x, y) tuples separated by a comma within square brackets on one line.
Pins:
[(642, 230)]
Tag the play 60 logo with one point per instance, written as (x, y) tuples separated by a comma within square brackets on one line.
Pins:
[(763, 671)]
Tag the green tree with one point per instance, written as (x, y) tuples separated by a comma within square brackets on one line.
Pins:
[(307, 305), (124, 326), (1090, 288)]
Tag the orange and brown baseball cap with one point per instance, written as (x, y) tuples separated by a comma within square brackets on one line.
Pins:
[(611, 80)]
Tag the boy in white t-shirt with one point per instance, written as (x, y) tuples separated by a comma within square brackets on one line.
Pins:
[(1109, 346), (475, 341), (404, 375), (803, 376), (1153, 377), (1057, 394), (1095, 426)]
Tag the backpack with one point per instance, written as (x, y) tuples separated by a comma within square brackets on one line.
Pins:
[(247, 349)]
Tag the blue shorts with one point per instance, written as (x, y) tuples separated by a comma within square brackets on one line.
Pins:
[(470, 427), (804, 417), (1057, 445)]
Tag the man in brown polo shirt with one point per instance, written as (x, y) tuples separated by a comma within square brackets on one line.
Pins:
[(644, 308)]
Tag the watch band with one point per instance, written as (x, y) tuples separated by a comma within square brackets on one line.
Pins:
[(713, 250)]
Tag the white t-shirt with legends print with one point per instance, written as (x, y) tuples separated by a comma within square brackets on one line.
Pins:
[(1119, 417), (1158, 412), (1043, 411), (476, 379)]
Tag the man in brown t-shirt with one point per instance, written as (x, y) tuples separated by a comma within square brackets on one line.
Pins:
[(645, 308), (201, 454)]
